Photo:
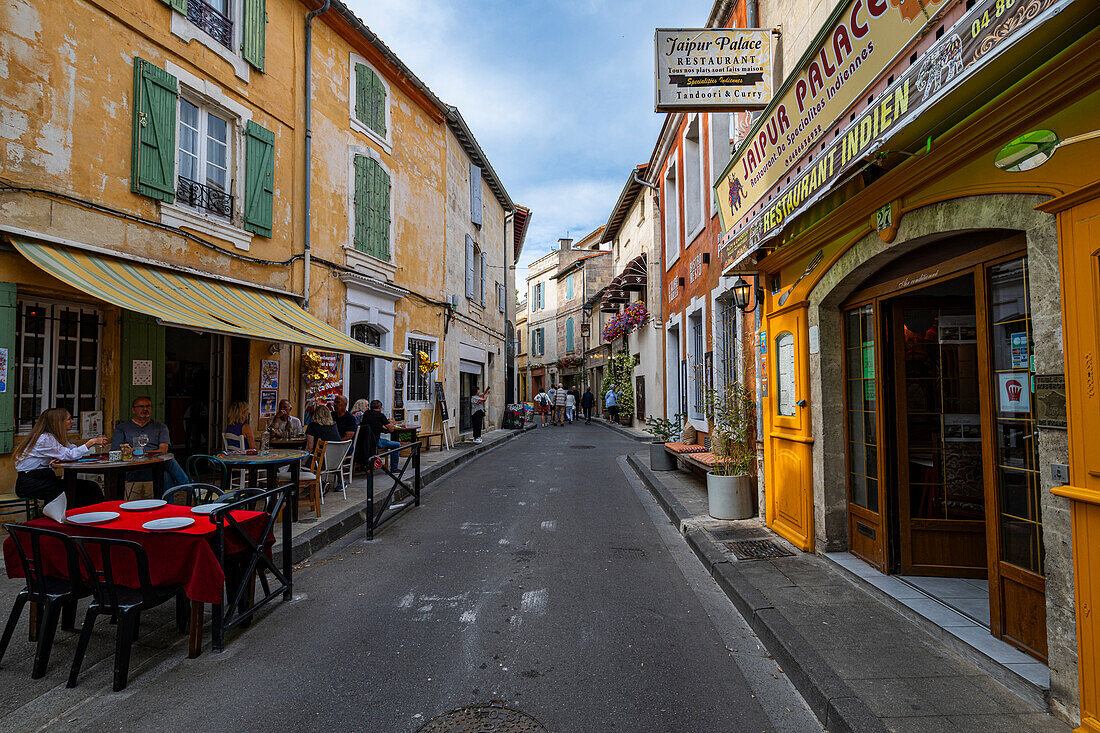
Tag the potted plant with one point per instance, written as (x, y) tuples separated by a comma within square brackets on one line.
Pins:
[(662, 431), (731, 411)]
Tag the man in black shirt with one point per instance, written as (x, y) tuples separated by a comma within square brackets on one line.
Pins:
[(588, 400), (345, 421), (376, 423)]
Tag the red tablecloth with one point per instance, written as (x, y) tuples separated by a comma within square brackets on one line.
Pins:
[(181, 557)]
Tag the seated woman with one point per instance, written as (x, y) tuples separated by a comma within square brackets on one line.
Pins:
[(359, 409), (238, 419), (47, 444), (323, 427)]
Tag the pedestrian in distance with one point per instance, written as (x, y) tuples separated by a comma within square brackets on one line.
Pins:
[(588, 401), (477, 411), (542, 405), (576, 401), (560, 398), (611, 402), (570, 405)]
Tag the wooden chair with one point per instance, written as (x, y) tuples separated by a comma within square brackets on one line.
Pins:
[(309, 480)]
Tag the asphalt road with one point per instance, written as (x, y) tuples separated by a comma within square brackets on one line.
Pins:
[(540, 575)]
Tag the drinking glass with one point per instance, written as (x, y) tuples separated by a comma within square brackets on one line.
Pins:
[(142, 441)]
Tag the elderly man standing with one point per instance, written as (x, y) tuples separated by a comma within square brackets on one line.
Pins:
[(159, 441), (561, 398)]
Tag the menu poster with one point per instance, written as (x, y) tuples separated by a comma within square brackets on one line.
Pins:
[(3, 370), (91, 424), (785, 366), (1014, 392), (268, 402), (142, 373), (269, 374)]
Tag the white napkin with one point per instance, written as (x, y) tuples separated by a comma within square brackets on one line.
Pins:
[(55, 510)]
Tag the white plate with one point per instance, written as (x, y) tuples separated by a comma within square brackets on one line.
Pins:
[(93, 517), (169, 523), (142, 505), (205, 508)]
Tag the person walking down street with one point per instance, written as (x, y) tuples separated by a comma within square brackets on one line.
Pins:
[(611, 402), (588, 401), (477, 411), (47, 444), (560, 398), (570, 405), (551, 393), (542, 405)]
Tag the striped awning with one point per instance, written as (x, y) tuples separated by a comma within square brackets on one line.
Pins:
[(182, 299)]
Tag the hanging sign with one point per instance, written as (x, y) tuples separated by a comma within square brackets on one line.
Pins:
[(861, 44), (713, 69)]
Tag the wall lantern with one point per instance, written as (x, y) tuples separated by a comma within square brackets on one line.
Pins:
[(741, 292), (1034, 148)]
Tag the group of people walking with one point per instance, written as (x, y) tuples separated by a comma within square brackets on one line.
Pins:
[(560, 404)]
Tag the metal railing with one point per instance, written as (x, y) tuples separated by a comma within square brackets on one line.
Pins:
[(216, 25), (205, 197), (390, 508)]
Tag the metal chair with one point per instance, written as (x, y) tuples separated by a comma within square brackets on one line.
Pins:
[(192, 494), (332, 464), (238, 495), (51, 594), (200, 464), (347, 468), (122, 604), (13, 504)]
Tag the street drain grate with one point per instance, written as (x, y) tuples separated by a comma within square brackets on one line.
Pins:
[(487, 718), (583, 447), (627, 552), (757, 550)]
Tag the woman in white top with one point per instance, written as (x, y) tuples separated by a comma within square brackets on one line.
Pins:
[(477, 412), (47, 444), (570, 407)]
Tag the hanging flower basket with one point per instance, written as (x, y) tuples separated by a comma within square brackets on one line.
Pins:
[(632, 317), (570, 362)]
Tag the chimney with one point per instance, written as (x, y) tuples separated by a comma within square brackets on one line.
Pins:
[(564, 244)]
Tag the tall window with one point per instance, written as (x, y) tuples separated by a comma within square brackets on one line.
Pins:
[(672, 224), (537, 343), (203, 160), (569, 335), (569, 286), (56, 360), (418, 385), (213, 17), (859, 327), (370, 99), (696, 336), (372, 208), (475, 271), (693, 180), (719, 147), (727, 336), (367, 334)]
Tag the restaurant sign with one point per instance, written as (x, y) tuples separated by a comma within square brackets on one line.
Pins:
[(983, 32), (713, 69)]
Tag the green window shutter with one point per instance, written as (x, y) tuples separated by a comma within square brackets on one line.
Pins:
[(140, 337), (153, 156), (179, 6), (378, 106), (254, 33), (381, 213), (8, 312), (361, 238), (481, 282), (259, 179), (364, 83)]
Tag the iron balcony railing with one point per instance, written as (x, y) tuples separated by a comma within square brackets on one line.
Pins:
[(216, 25), (205, 197)]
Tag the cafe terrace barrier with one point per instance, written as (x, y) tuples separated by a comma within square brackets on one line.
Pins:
[(389, 509)]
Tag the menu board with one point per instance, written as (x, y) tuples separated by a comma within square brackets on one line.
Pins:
[(441, 400), (784, 374)]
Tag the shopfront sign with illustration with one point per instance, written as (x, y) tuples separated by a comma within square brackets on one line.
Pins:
[(1014, 392), (864, 41), (713, 69)]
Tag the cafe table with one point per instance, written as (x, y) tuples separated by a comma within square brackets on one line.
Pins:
[(185, 557), (288, 443), (270, 461), (114, 472)]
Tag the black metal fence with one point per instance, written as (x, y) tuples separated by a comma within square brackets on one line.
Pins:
[(392, 505)]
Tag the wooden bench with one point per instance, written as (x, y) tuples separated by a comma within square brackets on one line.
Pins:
[(428, 437), (696, 457)]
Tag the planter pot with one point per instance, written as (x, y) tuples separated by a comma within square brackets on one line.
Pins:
[(730, 497), (659, 458)]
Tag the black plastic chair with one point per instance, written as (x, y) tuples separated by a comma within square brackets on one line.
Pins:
[(240, 495), (119, 602), (192, 494), (200, 464), (53, 595)]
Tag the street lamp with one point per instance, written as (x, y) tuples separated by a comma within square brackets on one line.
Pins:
[(741, 292)]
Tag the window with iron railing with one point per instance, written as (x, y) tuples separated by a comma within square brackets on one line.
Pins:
[(417, 385), (212, 17), (203, 160)]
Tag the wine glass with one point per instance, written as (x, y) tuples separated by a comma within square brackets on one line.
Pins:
[(142, 441)]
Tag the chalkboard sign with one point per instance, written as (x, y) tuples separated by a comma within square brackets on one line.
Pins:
[(441, 400)]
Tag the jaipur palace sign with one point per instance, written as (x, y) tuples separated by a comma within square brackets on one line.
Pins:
[(713, 69)]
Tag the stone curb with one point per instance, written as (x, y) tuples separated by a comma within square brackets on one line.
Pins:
[(622, 431), (350, 518), (830, 699)]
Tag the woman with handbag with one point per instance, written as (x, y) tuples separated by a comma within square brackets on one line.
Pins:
[(47, 444)]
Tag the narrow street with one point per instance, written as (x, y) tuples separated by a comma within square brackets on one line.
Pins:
[(539, 575)]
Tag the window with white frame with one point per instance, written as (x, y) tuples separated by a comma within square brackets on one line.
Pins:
[(417, 384), (696, 367), (213, 16), (672, 225), (501, 295), (569, 286), (369, 97), (204, 156), (719, 149), (693, 179), (475, 271), (56, 360), (538, 343)]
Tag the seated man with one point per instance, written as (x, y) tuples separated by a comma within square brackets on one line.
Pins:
[(283, 422), (142, 423), (377, 423), (345, 421)]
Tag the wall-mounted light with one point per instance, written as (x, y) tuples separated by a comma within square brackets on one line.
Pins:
[(275, 348), (741, 292)]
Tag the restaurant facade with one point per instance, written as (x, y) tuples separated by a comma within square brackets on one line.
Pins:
[(932, 288)]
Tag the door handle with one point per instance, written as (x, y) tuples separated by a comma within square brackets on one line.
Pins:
[(801, 403)]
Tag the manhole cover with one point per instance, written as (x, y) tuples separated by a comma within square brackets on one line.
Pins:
[(757, 550), (583, 447), (487, 718)]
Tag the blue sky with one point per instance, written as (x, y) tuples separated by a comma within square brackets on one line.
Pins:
[(559, 94)]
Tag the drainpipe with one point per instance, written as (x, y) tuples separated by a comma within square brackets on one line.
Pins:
[(309, 141)]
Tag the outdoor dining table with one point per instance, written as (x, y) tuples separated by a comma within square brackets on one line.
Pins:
[(270, 461), (185, 557), (114, 472), (292, 443)]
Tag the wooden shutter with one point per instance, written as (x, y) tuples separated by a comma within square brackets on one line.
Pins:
[(500, 297), (177, 5), (569, 334), (361, 237), (259, 179), (471, 253), (380, 211), (140, 337), (364, 83), (8, 313), (153, 154), (378, 106), (475, 194), (254, 33), (481, 282)]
